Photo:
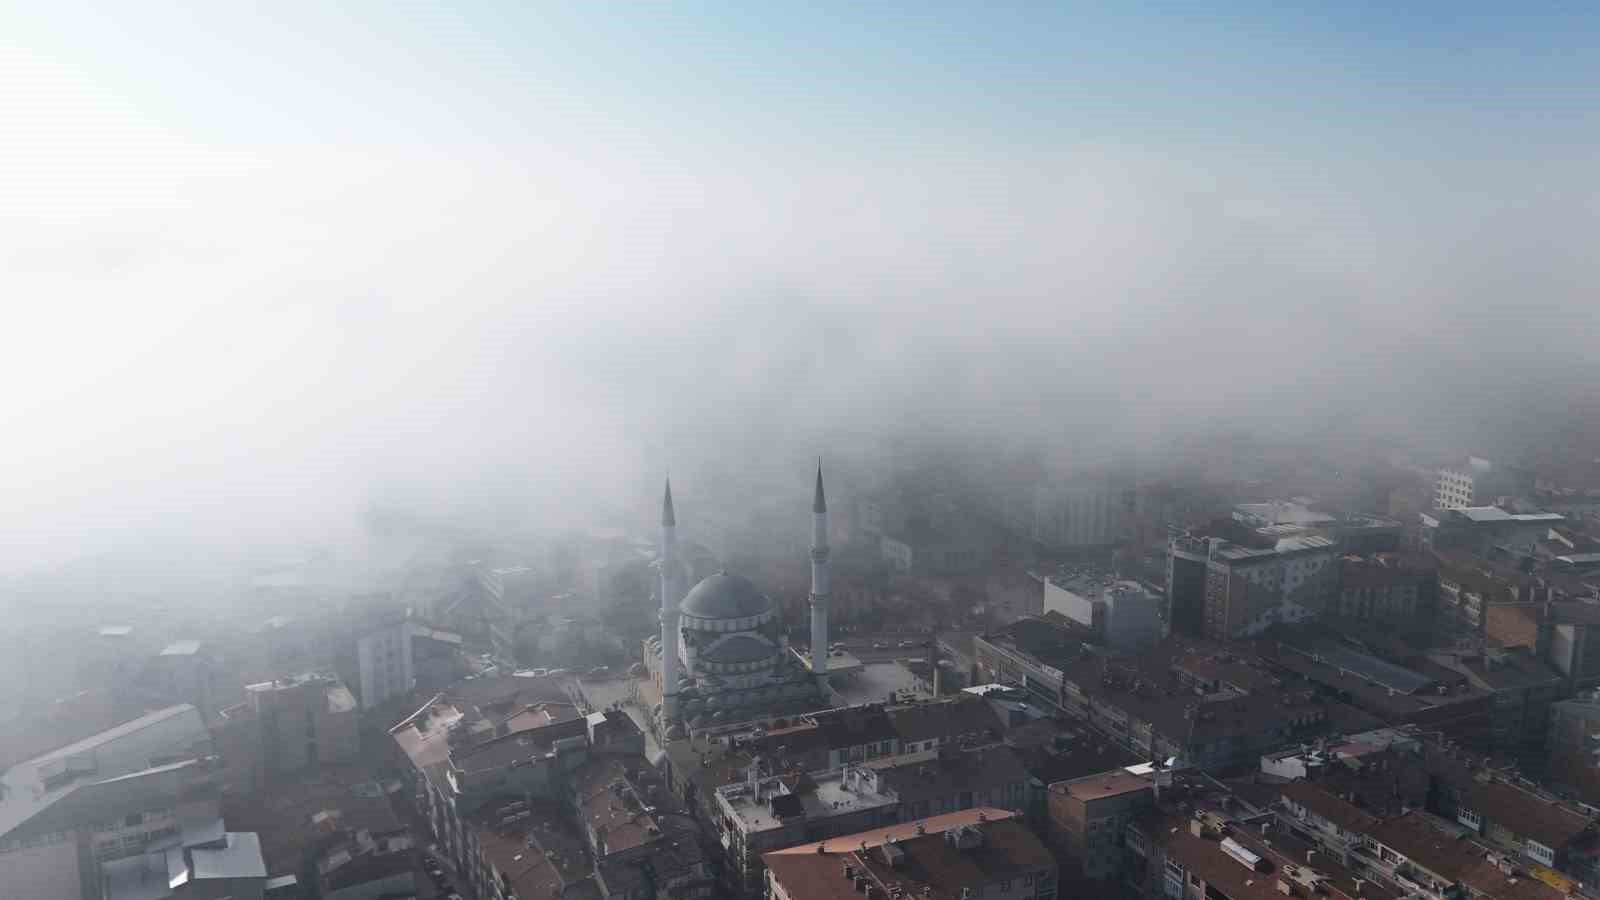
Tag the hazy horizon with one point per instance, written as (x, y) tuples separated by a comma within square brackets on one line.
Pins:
[(267, 268)]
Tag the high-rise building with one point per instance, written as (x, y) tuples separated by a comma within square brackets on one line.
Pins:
[(383, 660)]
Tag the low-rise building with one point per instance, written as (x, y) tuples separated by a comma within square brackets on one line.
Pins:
[(289, 725), (951, 780), (1087, 816), (1487, 531), (1119, 612), (1386, 588), (770, 812), (978, 853), (1031, 654)]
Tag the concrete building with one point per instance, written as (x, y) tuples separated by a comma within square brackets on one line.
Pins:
[(978, 853), (1087, 816), (212, 863), (1249, 589), (769, 812), (951, 779), (290, 725), (1487, 531), (1080, 513), (384, 661), (1030, 654), (1386, 588), (1479, 482), (1187, 557), (113, 794), (1573, 742), (1121, 613), (455, 785)]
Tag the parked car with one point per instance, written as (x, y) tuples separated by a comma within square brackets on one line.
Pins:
[(879, 645)]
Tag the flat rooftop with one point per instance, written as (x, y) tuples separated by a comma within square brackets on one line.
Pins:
[(821, 796), (1106, 784)]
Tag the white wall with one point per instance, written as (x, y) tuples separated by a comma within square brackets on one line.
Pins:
[(384, 659)]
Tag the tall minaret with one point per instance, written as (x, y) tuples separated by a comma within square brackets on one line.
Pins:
[(669, 612), (819, 583)]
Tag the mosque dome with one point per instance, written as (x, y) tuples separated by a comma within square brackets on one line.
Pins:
[(726, 596)]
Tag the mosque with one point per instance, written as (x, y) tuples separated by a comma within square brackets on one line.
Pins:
[(723, 655)]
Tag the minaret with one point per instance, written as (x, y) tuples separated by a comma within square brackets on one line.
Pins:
[(819, 583), (669, 612)]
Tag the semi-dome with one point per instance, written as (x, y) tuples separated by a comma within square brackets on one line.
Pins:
[(741, 648), (726, 596)]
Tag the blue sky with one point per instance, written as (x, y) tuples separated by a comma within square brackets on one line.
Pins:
[(1357, 77), (290, 256)]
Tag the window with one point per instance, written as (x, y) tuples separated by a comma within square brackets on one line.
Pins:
[(133, 820), (1468, 817), (1005, 885), (1540, 852)]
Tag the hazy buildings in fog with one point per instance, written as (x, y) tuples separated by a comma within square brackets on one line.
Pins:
[(289, 725), (1391, 589), (1082, 512), (1249, 589), (109, 796), (384, 660), (1479, 482), (1121, 613), (1487, 531)]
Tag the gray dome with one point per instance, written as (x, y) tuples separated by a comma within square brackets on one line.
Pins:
[(740, 648), (725, 596)]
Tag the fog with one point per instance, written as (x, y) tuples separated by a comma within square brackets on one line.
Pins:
[(216, 341)]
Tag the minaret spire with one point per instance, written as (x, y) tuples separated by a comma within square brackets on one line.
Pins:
[(669, 614), (819, 584)]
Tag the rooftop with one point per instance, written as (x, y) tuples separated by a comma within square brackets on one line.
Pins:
[(763, 806), (519, 746), (1416, 837), (238, 856), (971, 770), (1526, 814), (1106, 784), (425, 736), (181, 648), (1323, 803), (993, 846), (965, 714), (1203, 855), (1283, 513), (611, 808)]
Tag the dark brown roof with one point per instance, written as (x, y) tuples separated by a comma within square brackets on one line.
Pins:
[(516, 746), (1009, 849), (1340, 812), (973, 770), (1526, 815), (855, 726), (1413, 837), (1485, 878), (948, 719)]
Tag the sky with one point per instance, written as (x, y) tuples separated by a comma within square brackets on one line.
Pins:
[(263, 265)]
